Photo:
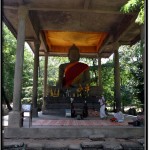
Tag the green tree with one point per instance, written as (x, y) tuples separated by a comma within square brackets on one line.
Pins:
[(134, 6), (132, 76), (8, 61), (9, 44), (108, 82), (27, 76)]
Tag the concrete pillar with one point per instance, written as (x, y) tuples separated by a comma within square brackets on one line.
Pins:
[(117, 95), (143, 33), (143, 61), (100, 75), (143, 45), (45, 79), (35, 79), (15, 115)]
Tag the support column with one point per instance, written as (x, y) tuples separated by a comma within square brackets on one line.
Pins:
[(143, 45), (35, 79), (100, 75), (117, 95), (15, 115), (45, 80), (144, 56)]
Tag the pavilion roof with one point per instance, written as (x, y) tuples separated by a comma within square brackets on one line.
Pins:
[(94, 26)]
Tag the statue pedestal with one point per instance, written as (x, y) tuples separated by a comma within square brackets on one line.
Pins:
[(62, 103)]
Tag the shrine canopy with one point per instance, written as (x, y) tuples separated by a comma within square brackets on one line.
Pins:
[(94, 26)]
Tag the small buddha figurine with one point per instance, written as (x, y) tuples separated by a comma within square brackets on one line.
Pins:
[(73, 73)]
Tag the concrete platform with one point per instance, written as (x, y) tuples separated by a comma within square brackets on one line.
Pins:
[(73, 132), (59, 131)]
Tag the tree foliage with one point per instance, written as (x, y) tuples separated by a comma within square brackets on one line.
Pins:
[(9, 44), (8, 61), (132, 75), (108, 81), (135, 5)]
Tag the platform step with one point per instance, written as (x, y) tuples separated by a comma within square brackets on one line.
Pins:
[(73, 132)]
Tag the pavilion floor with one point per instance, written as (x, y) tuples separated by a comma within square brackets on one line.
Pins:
[(59, 119), (57, 125)]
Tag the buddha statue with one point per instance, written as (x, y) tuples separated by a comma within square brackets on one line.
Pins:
[(73, 73)]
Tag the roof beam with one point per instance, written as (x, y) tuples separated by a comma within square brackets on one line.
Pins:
[(106, 55), (20, 2), (86, 4), (11, 28), (123, 27), (14, 32), (34, 24), (29, 39), (137, 38), (103, 10), (105, 43), (44, 41)]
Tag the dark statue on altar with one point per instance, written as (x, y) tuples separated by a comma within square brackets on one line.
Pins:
[(73, 89), (74, 79), (73, 75)]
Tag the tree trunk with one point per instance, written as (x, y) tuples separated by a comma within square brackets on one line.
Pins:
[(4, 98)]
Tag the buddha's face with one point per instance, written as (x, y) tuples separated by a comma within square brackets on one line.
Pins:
[(73, 55)]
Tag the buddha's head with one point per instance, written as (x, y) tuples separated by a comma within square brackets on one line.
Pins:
[(73, 54)]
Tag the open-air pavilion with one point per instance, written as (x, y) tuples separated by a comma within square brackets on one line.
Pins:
[(50, 27)]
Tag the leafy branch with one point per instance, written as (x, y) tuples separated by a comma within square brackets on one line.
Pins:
[(133, 6)]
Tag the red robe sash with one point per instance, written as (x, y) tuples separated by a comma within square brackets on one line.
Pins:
[(72, 71)]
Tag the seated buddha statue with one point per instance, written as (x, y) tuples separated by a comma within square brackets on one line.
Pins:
[(73, 73)]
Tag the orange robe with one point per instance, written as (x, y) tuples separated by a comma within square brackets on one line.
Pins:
[(73, 71)]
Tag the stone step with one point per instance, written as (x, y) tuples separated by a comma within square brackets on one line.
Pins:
[(74, 144)]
